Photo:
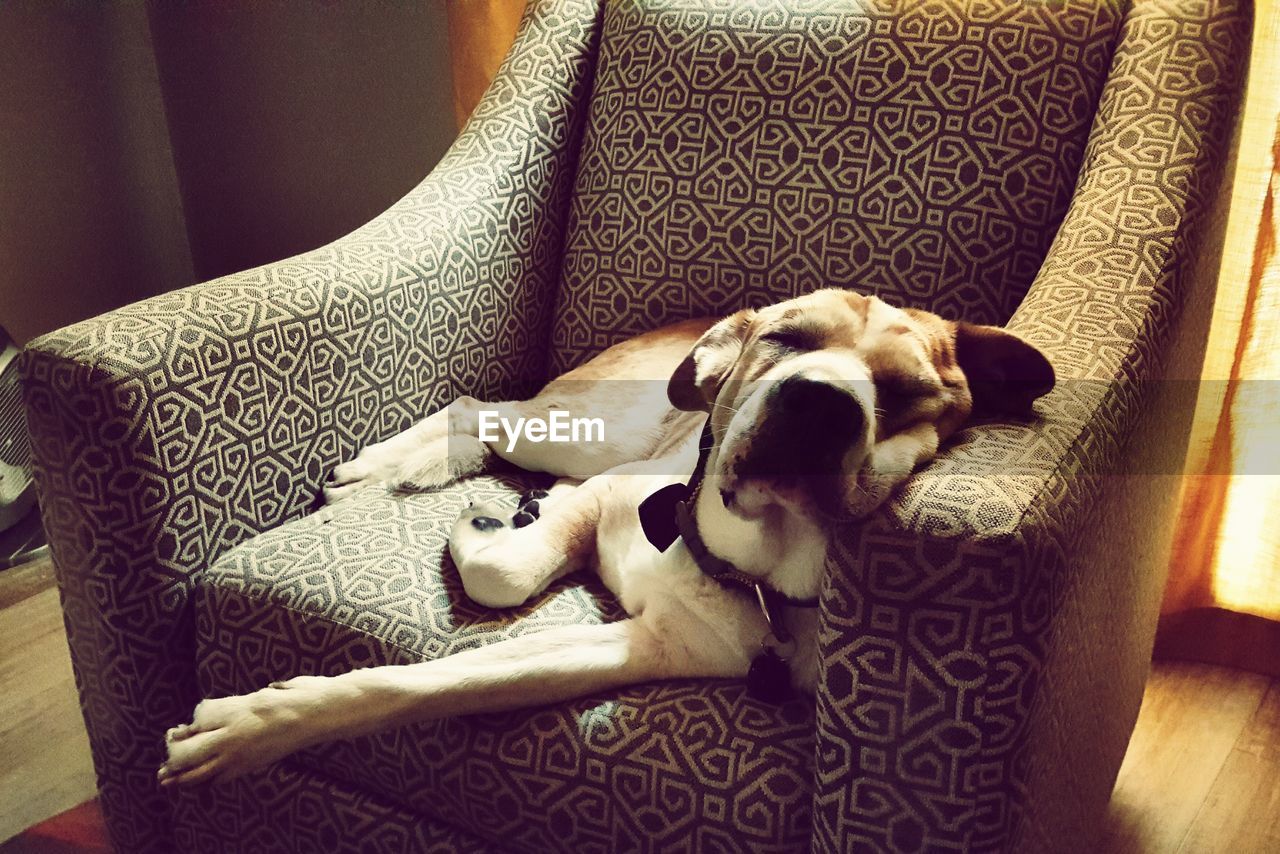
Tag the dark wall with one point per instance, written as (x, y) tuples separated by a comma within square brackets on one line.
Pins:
[(296, 122), (90, 216), (144, 147)]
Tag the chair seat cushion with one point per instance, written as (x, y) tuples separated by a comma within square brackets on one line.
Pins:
[(686, 764)]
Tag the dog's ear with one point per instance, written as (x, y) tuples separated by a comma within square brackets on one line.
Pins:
[(1005, 373), (696, 381)]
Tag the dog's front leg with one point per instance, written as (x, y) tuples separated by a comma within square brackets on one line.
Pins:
[(891, 462), (234, 735)]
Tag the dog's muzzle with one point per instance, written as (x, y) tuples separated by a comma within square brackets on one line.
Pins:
[(811, 425)]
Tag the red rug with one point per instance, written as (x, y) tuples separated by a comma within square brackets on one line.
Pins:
[(79, 830)]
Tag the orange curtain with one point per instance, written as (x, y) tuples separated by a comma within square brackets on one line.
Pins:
[(480, 32), (1223, 599)]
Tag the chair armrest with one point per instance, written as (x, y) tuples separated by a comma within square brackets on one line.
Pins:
[(166, 432), (942, 628)]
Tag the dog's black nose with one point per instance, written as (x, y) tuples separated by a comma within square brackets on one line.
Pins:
[(820, 404), (810, 425)]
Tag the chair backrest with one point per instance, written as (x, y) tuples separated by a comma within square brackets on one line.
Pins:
[(743, 153)]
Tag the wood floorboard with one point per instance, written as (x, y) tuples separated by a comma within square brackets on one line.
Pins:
[(1241, 813), (1192, 717), (1262, 735), (44, 753), (23, 582)]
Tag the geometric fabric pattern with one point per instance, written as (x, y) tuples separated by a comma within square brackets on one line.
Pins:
[(1052, 165), (955, 657), (659, 767), (291, 809), (168, 431), (745, 153)]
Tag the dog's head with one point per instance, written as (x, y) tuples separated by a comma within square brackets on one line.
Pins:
[(821, 404)]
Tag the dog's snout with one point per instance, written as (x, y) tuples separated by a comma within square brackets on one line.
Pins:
[(821, 402), (810, 424)]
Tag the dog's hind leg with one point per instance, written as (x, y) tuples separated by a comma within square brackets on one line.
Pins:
[(620, 423), (505, 557), (439, 449)]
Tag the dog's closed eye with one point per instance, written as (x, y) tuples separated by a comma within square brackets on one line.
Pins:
[(790, 339)]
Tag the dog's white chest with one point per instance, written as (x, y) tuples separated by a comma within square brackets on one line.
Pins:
[(628, 563)]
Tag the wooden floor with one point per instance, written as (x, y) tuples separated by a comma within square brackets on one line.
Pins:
[(44, 752), (1203, 769), (1202, 773)]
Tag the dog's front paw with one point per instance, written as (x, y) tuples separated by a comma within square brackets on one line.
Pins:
[(406, 465), (529, 508), (431, 469), (489, 575), (232, 736)]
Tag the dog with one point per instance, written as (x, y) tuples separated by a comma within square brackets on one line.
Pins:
[(753, 432)]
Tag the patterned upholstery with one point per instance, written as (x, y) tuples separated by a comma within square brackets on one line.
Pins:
[(292, 810), (984, 637), (745, 153), (169, 431), (942, 614), (675, 766)]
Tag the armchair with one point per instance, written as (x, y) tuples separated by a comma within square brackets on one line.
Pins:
[(984, 636)]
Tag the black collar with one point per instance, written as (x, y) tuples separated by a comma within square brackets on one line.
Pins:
[(668, 513)]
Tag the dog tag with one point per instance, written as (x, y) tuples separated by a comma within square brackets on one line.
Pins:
[(658, 515), (769, 678)]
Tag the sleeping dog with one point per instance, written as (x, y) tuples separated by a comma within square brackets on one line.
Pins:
[(705, 512)]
